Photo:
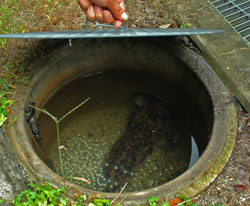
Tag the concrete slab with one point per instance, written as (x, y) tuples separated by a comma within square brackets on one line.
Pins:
[(226, 53)]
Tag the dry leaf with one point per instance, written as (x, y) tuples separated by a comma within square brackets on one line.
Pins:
[(82, 179), (165, 26)]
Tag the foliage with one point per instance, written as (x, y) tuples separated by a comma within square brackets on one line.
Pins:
[(4, 103), (47, 195), (152, 201), (8, 76), (101, 202), (13, 73), (43, 194), (180, 200)]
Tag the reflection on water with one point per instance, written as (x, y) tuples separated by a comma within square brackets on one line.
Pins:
[(135, 129)]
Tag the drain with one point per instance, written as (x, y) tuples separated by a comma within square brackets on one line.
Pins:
[(237, 14), (162, 94)]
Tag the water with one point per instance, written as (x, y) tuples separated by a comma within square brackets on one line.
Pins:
[(111, 140)]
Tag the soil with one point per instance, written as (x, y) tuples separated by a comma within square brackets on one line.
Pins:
[(29, 16)]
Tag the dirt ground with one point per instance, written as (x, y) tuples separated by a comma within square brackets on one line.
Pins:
[(29, 16)]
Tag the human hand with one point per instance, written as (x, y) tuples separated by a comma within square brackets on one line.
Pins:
[(107, 11)]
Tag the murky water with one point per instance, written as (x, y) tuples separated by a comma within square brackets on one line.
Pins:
[(111, 140)]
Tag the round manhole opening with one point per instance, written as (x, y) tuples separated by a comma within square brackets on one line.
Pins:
[(135, 128), (158, 119)]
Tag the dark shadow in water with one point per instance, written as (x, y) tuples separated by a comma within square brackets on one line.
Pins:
[(151, 121)]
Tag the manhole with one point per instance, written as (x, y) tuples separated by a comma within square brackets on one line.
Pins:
[(150, 101)]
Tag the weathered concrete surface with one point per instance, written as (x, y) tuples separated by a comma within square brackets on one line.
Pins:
[(11, 180), (226, 53)]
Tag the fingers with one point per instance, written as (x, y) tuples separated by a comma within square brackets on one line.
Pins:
[(107, 16), (91, 13), (117, 7), (84, 4), (95, 12), (98, 14), (118, 23)]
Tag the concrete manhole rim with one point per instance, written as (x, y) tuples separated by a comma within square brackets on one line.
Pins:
[(190, 183)]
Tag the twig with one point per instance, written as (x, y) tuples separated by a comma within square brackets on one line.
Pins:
[(119, 193), (45, 112), (68, 113), (122, 200), (188, 200), (81, 179), (231, 201), (59, 151), (57, 121)]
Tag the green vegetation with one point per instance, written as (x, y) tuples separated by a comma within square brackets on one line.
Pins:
[(9, 23), (4, 102), (181, 200), (152, 201), (10, 75), (13, 73), (45, 194)]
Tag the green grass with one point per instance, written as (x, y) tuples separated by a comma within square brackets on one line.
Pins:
[(4, 101), (12, 73), (9, 22), (45, 194)]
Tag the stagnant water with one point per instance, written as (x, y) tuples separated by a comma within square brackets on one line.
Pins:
[(135, 129)]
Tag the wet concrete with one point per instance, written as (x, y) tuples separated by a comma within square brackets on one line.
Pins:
[(226, 53)]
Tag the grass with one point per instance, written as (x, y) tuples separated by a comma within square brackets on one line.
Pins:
[(57, 121), (9, 23), (5, 103), (28, 16), (44, 194)]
